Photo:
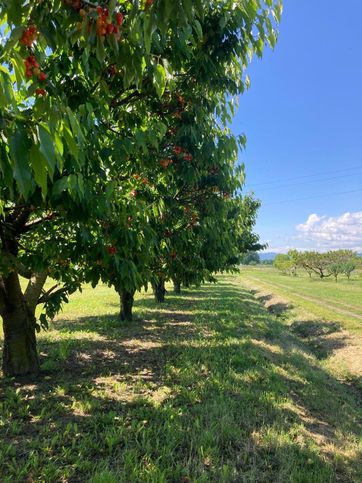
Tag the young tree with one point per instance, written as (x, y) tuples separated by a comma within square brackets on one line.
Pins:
[(294, 259), (314, 262), (348, 268), (283, 263), (335, 269)]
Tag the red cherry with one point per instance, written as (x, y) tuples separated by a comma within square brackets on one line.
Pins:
[(40, 92), (112, 250), (42, 76), (119, 18), (110, 28), (112, 69)]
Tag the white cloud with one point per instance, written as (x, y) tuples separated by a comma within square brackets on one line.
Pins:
[(329, 233)]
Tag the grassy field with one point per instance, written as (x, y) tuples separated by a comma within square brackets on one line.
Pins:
[(209, 387), (341, 301)]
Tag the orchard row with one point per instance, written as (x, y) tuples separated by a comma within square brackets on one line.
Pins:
[(117, 163)]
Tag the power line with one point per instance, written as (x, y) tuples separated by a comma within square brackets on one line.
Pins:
[(295, 178), (320, 180), (326, 195)]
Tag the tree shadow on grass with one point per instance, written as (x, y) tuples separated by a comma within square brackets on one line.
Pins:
[(323, 338), (221, 391)]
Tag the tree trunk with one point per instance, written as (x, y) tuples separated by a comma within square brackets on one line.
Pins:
[(159, 291), (20, 354), (127, 299), (176, 286)]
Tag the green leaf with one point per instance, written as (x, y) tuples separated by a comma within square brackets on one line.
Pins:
[(187, 5), (100, 51), (73, 185), (47, 148), (14, 10), (148, 30), (39, 165), (15, 35), (112, 5), (69, 139), (198, 29), (159, 80), (6, 90), (77, 131), (19, 146), (60, 185)]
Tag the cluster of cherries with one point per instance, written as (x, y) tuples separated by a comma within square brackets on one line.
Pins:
[(29, 36), (32, 67), (105, 24), (179, 150), (165, 163), (137, 177)]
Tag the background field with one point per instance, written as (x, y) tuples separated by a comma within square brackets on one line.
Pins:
[(326, 315), (341, 301), (211, 386)]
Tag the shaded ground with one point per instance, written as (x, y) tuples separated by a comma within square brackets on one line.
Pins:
[(209, 386)]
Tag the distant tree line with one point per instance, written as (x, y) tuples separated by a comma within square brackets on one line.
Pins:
[(328, 264), (253, 257)]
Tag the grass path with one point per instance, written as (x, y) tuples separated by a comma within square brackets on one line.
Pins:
[(323, 302), (333, 334), (209, 387), (338, 302)]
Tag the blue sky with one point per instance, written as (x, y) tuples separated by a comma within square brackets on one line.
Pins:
[(303, 120)]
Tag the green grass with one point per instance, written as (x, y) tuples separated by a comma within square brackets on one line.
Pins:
[(341, 301), (208, 387)]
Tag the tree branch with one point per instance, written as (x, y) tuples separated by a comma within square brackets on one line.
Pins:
[(34, 289), (46, 295), (134, 96), (29, 226), (50, 293)]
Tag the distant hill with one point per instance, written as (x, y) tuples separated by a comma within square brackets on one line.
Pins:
[(267, 256)]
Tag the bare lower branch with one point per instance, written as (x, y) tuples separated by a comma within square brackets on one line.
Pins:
[(33, 224), (46, 295), (34, 289), (49, 294)]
